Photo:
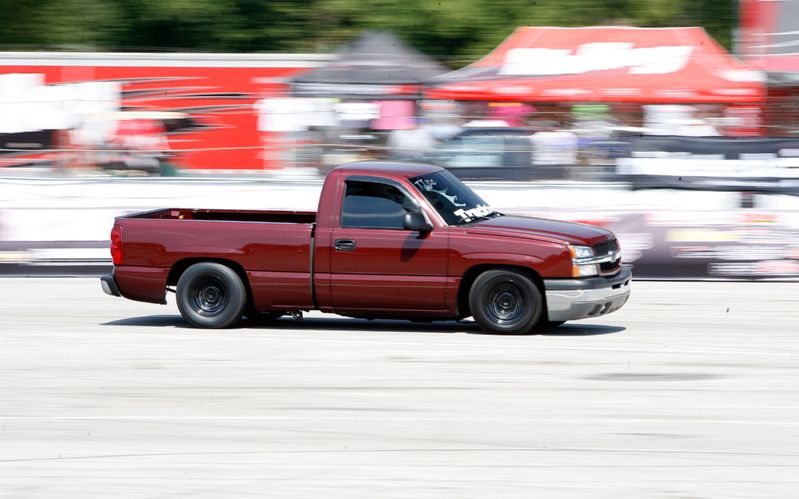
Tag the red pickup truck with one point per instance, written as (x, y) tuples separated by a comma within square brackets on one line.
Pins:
[(389, 240)]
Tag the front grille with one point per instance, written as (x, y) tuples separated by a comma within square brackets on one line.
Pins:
[(606, 247), (602, 249)]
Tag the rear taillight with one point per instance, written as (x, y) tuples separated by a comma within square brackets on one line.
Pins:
[(116, 245)]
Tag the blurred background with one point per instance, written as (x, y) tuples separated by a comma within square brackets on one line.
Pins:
[(673, 123)]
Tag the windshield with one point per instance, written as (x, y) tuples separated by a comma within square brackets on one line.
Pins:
[(456, 203)]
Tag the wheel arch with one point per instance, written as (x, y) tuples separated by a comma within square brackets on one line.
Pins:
[(179, 267), (473, 272)]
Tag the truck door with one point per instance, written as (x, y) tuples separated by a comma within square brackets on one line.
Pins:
[(376, 264)]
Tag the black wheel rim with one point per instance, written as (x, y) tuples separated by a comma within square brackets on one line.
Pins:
[(208, 296), (505, 303)]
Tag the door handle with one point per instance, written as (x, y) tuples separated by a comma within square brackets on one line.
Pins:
[(344, 244)]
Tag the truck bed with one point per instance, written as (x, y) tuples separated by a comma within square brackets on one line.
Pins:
[(289, 217), (272, 250)]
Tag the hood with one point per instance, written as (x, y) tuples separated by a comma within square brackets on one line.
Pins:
[(542, 228)]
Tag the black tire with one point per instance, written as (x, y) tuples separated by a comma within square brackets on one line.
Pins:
[(503, 301), (211, 295)]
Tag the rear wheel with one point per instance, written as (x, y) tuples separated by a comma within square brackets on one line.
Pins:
[(503, 301), (211, 295)]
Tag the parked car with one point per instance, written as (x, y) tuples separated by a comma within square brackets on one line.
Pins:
[(492, 153), (489, 153), (388, 240)]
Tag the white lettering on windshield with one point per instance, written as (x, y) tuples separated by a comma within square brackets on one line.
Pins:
[(479, 211), (426, 184)]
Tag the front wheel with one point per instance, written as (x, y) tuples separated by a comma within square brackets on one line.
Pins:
[(503, 301), (211, 295)]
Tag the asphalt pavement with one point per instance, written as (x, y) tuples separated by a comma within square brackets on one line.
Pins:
[(690, 391)]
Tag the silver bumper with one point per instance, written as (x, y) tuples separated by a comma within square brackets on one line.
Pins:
[(109, 285), (572, 299)]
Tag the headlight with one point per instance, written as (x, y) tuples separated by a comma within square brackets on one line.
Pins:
[(581, 252), (583, 261)]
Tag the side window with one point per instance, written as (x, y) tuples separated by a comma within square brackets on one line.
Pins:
[(372, 205)]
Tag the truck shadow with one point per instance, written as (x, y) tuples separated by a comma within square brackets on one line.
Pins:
[(377, 325), (151, 321)]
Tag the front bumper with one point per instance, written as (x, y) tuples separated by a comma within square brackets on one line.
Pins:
[(109, 285), (572, 299)]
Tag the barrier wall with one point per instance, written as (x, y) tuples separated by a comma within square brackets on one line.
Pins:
[(47, 226)]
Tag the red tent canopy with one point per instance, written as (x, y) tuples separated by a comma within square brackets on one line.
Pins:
[(605, 64)]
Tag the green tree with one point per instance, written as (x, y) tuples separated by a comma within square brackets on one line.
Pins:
[(454, 31)]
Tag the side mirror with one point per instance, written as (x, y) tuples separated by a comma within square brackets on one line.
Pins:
[(414, 220)]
